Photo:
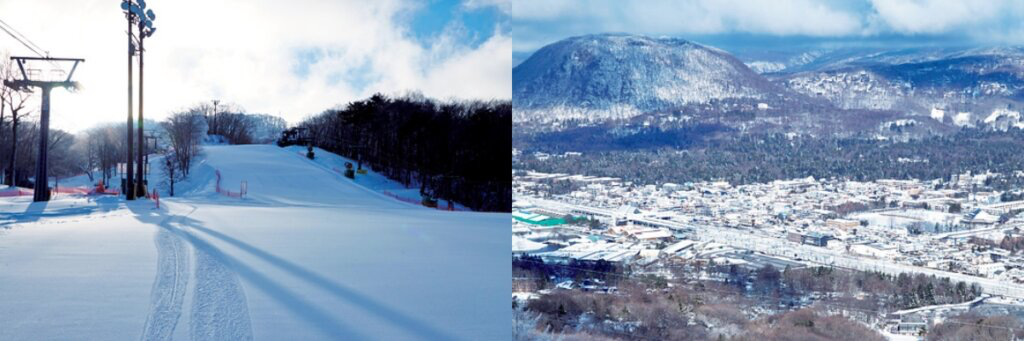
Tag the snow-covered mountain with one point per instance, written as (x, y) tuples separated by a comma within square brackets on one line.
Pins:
[(854, 89), (617, 76), (970, 80), (620, 84), (761, 66)]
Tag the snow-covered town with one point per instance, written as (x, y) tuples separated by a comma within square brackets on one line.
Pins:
[(949, 229)]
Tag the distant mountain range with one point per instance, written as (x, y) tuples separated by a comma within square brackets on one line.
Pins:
[(617, 81)]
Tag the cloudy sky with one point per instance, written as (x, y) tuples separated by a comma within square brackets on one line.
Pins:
[(288, 58), (733, 22)]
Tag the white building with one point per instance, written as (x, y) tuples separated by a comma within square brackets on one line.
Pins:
[(938, 114), (963, 118)]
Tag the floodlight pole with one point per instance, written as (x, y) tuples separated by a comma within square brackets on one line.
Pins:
[(136, 13), (129, 185), (140, 188)]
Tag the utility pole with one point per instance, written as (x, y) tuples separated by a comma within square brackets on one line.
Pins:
[(42, 191)]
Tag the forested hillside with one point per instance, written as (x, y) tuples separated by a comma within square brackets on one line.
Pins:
[(452, 151)]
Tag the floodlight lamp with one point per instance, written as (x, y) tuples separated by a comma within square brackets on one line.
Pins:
[(142, 4), (150, 33), (124, 5), (149, 13), (137, 11)]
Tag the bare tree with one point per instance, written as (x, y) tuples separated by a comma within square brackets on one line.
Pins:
[(104, 148), (14, 101), (62, 161), (184, 131), (5, 73), (85, 159), (171, 175)]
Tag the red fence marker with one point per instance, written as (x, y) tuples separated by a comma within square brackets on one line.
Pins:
[(240, 194)]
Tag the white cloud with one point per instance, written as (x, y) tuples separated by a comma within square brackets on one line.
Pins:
[(806, 17), (245, 52), (544, 21), (476, 73), (502, 5), (939, 16), (540, 22)]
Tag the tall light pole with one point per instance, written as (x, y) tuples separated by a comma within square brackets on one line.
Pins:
[(134, 12), (212, 120), (146, 30), (130, 9)]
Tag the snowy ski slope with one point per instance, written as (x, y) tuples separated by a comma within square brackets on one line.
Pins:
[(306, 255)]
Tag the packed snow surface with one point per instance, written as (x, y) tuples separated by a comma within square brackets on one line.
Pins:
[(308, 254)]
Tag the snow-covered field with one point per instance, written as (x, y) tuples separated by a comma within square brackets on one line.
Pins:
[(306, 255)]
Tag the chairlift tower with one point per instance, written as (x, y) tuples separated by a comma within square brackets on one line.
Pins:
[(41, 191)]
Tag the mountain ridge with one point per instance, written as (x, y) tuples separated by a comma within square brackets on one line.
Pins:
[(620, 80), (618, 76)]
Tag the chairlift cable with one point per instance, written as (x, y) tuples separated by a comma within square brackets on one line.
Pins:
[(29, 44)]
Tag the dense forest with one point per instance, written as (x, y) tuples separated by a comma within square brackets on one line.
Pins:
[(764, 158), (453, 151)]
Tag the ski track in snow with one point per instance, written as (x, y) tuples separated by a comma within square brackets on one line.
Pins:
[(197, 289), (169, 288), (219, 308)]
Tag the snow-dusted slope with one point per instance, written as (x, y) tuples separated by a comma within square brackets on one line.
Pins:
[(917, 80), (371, 180), (850, 90), (308, 255), (616, 76)]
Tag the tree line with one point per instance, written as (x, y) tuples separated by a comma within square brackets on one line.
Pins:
[(453, 151), (720, 297), (237, 126), (759, 158), (645, 309), (98, 152)]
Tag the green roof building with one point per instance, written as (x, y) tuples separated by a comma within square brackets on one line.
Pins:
[(537, 219)]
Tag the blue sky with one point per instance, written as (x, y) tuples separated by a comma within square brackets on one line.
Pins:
[(428, 22), (774, 24), (435, 16), (288, 58)]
